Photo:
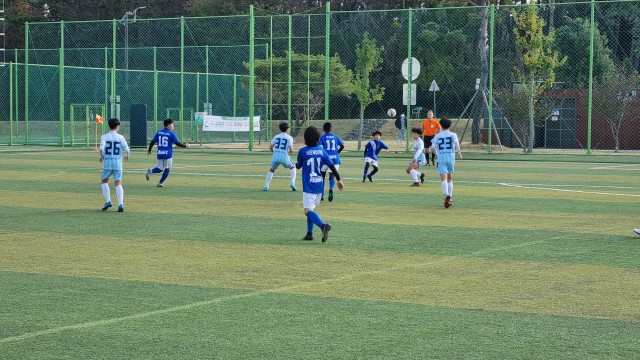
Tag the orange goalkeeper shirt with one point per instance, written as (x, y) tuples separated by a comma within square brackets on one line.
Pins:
[(430, 127)]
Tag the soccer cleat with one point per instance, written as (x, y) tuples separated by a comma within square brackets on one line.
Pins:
[(266, 188), (121, 208), (148, 175), (422, 178), (325, 232), (364, 178), (293, 187), (415, 184), (308, 237), (369, 177), (160, 185), (107, 205), (447, 201), (330, 195)]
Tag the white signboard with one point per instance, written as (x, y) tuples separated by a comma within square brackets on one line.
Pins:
[(228, 123), (405, 94), (415, 68)]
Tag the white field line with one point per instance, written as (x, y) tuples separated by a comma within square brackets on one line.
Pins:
[(567, 190), (282, 289), (633, 167)]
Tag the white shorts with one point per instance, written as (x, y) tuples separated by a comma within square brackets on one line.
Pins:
[(164, 163), (310, 201), (369, 160), (326, 169)]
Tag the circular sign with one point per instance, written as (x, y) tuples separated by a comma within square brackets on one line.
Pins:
[(415, 68)]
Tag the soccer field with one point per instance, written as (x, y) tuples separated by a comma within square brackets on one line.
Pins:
[(535, 260)]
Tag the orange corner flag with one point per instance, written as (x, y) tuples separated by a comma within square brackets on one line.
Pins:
[(99, 119)]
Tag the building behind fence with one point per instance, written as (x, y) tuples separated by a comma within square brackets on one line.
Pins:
[(68, 72)]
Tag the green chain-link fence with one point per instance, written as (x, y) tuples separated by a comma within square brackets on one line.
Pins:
[(303, 68)]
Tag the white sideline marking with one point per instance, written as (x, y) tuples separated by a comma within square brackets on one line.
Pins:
[(618, 167), (91, 324), (566, 190)]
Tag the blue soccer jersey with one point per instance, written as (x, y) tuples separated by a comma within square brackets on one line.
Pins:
[(112, 147), (331, 143), (372, 149), (311, 159), (165, 139), (447, 144)]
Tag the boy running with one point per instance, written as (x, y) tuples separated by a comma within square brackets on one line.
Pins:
[(165, 139), (447, 144), (311, 159), (281, 147), (418, 157), (112, 147), (333, 146), (371, 151)]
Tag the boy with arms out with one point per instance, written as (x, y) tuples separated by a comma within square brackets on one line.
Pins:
[(281, 147), (165, 139), (333, 145), (447, 144), (418, 157), (112, 147), (311, 158), (430, 127), (371, 151)]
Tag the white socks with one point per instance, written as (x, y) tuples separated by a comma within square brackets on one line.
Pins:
[(414, 175), (447, 188), (269, 177), (106, 192), (450, 188), (293, 175), (120, 194)]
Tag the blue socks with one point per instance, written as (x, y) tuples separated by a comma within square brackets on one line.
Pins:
[(165, 174), (313, 218), (332, 184), (156, 170), (366, 169)]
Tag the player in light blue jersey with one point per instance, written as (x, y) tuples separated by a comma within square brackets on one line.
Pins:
[(418, 157), (165, 139), (333, 145), (446, 144), (282, 147), (113, 147), (311, 159), (371, 151)]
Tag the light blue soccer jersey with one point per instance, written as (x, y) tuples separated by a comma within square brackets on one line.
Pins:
[(165, 139), (112, 147), (373, 147), (447, 144), (418, 151), (281, 144), (331, 143), (311, 159)]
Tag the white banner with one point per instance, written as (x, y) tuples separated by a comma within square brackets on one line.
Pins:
[(229, 123)]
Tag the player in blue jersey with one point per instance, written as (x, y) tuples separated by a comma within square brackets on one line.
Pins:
[(281, 147), (371, 151), (333, 145), (165, 139), (446, 144), (113, 147), (311, 158), (418, 157)]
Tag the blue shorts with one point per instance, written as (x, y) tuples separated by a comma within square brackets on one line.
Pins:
[(445, 168), (117, 174), (287, 163)]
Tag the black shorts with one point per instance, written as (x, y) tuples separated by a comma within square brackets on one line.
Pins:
[(427, 141)]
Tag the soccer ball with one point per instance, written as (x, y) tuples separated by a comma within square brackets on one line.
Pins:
[(391, 113)]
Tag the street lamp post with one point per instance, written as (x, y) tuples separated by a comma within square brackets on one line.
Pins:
[(125, 21)]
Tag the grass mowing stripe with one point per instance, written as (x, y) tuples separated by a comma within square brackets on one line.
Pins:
[(449, 281)]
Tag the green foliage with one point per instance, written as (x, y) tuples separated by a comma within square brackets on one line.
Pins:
[(368, 60), (572, 41)]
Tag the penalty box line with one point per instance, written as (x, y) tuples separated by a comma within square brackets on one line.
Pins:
[(283, 289)]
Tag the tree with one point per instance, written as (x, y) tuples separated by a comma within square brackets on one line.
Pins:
[(539, 60), (368, 60), (612, 96), (271, 77)]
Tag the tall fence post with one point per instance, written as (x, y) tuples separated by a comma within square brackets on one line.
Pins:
[(61, 86), (155, 89), (590, 105), (181, 77), (410, 61), (251, 75), (26, 83), (113, 70), (492, 24), (327, 54), (308, 113), (11, 103), (289, 73)]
